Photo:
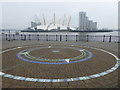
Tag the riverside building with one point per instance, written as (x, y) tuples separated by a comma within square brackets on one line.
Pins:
[(85, 24)]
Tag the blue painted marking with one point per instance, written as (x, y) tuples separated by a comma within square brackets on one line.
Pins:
[(51, 80), (84, 59), (65, 80), (11, 76), (48, 80), (69, 80), (38, 80)]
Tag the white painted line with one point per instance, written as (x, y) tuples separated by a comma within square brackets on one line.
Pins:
[(8, 50), (34, 80), (7, 75), (49, 46), (16, 77), (19, 47), (81, 50), (25, 53), (72, 79), (87, 77), (28, 79), (1, 73), (67, 60), (103, 73)]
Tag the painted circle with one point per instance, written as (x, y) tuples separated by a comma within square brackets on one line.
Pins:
[(67, 79), (64, 62), (32, 57), (43, 59)]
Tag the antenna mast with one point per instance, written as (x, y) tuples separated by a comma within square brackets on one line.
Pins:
[(59, 21), (69, 21), (54, 18), (44, 19), (63, 20)]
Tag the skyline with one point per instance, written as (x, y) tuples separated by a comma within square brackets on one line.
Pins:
[(19, 15)]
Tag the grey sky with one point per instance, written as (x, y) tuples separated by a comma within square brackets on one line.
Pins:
[(19, 15)]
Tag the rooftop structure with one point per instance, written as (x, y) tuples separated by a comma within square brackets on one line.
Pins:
[(37, 25)]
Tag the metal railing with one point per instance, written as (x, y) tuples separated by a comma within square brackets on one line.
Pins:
[(86, 38)]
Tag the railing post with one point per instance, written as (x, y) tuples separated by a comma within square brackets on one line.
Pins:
[(110, 38), (66, 38), (87, 37), (38, 36), (60, 38), (21, 36), (46, 37), (56, 37), (29, 37), (79, 37), (76, 38), (13, 37), (9, 36), (6, 36), (24, 37), (104, 38)]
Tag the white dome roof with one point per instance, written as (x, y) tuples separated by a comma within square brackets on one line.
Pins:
[(52, 27)]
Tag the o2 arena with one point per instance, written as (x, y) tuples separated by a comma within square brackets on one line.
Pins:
[(37, 26)]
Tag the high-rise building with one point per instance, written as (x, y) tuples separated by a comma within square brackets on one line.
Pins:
[(85, 23), (90, 25), (82, 17), (94, 25), (119, 15), (87, 19)]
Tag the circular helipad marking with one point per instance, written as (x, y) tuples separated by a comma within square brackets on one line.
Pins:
[(83, 54), (67, 79), (64, 60)]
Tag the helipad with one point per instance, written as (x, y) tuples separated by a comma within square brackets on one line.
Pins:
[(57, 63)]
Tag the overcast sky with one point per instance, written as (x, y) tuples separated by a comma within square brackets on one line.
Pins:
[(18, 15)]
